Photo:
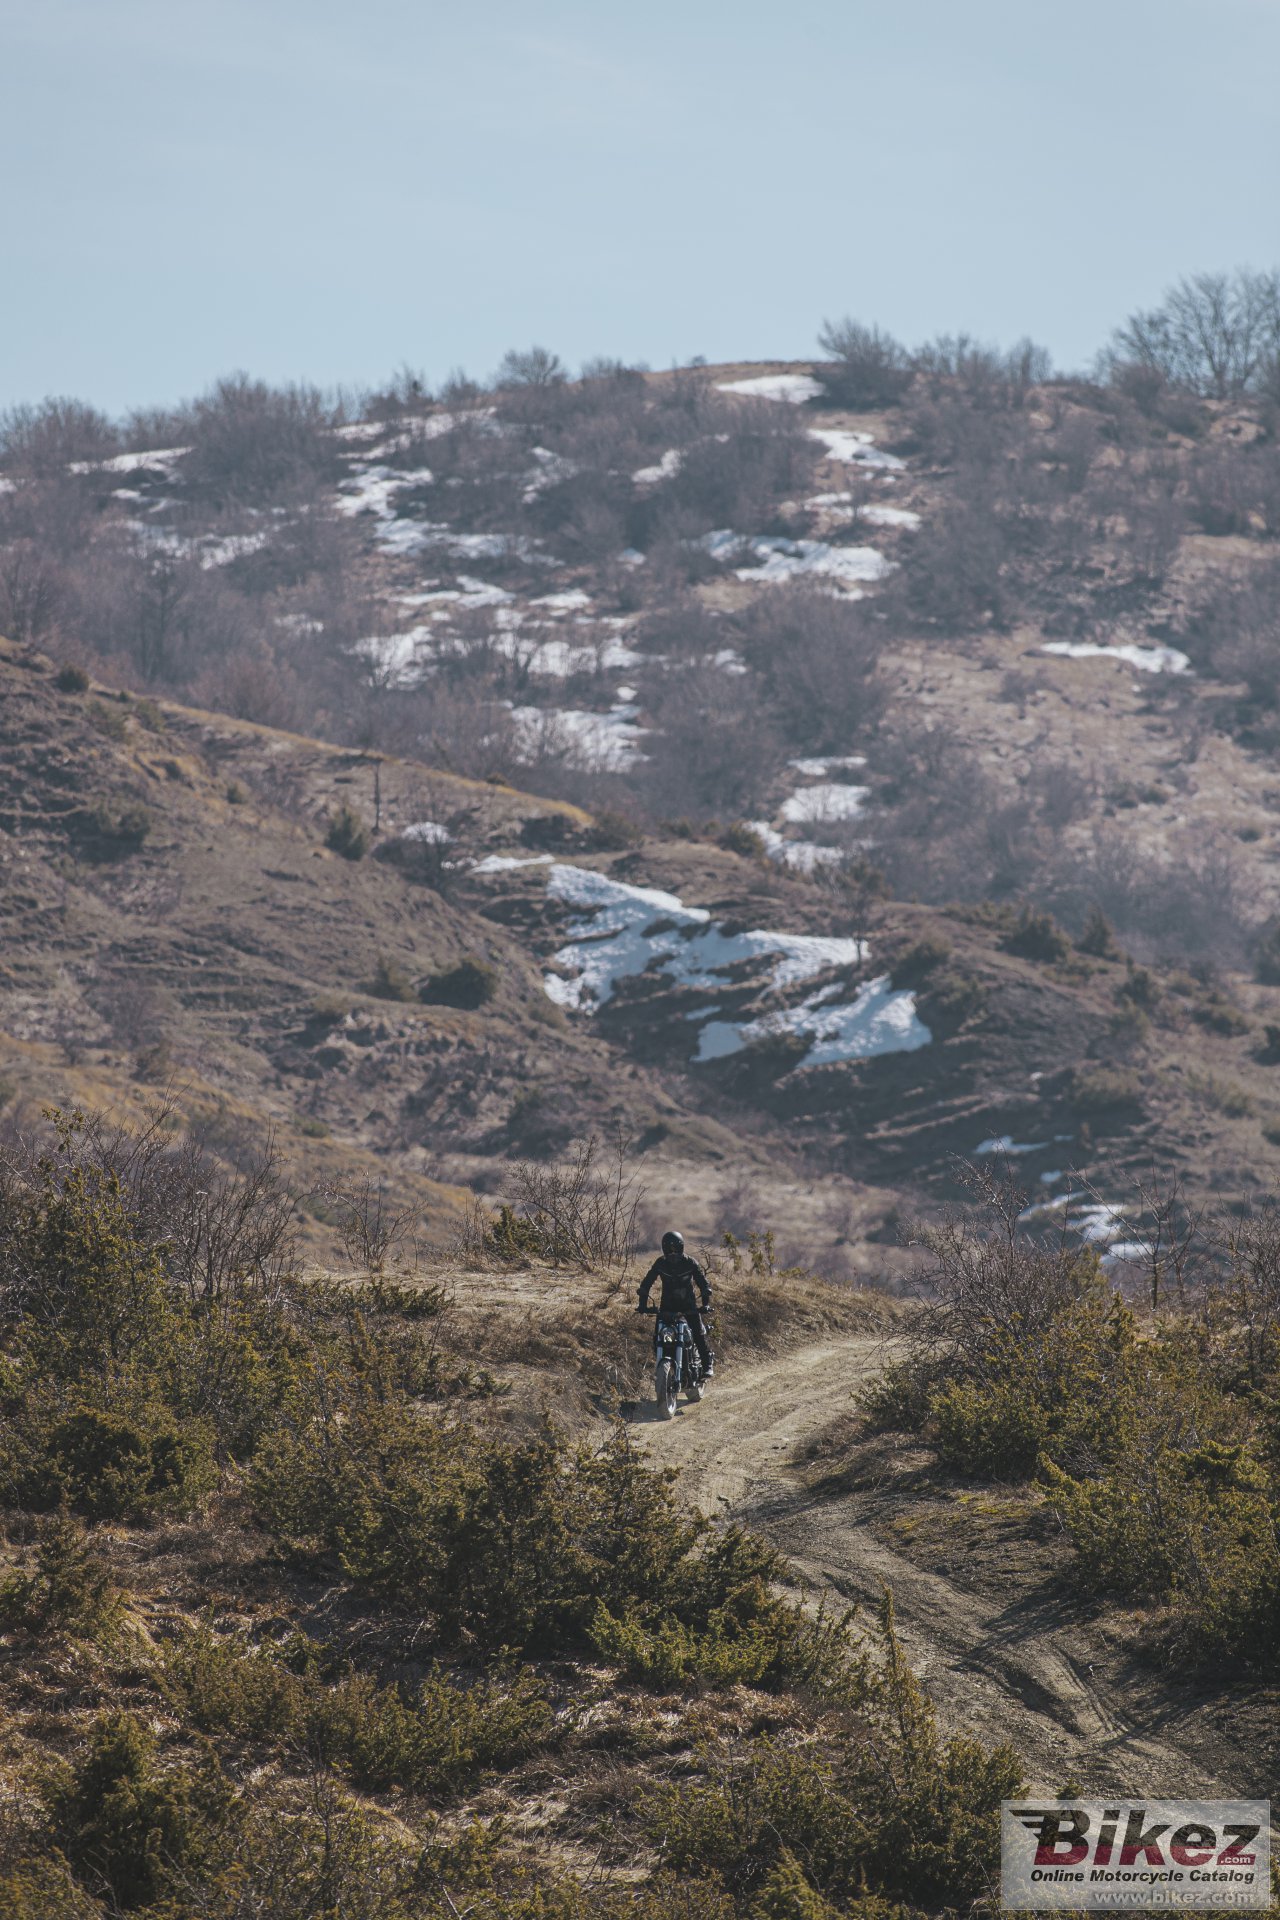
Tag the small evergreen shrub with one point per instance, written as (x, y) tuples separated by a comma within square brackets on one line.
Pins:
[(916, 963), (470, 985), (113, 829), (390, 981), (741, 839), (108, 720), (1037, 936), (129, 1826), (70, 1590), (348, 835), (1103, 1090), (614, 832), (431, 1740), (71, 679), (1098, 938)]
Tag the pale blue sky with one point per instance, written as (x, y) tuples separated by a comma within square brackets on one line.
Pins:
[(327, 189)]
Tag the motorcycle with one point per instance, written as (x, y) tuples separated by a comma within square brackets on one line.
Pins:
[(677, 1367)]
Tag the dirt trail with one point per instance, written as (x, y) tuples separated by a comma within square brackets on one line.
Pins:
[(1006, 1671)]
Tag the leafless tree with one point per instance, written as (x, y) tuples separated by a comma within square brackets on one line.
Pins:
[(531, 367), (582, 1213), (1216, 333), (370, 1225), (866, 366), (29, 592)]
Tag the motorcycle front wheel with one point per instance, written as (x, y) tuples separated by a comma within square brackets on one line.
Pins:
[(666, 1389)]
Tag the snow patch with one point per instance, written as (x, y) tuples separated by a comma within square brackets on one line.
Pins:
[(1146, 659), (782, 559), (793, 387), (506, 862), (629, 929), (878, 1021), (1004, 1143), (856, 449), (428, 831), (666, 469), (803, 855), (468, 592), (161, 458), (830, 763), (602, 742), (829, 800)]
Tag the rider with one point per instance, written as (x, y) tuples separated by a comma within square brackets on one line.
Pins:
[(680, 1276)]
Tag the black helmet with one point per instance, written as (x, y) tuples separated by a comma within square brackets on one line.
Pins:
[(673, 1246)]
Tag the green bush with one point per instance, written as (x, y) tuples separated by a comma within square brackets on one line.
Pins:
[(123, 1465), (786, 1894), (613, 832), (1098, 938), (521, 1544), (108, 720), (893, 1805), (432, 1740), (1103, 1090), (70, 1590), (390, 981), (742, 839), (130, 1827), (1040, 1389), (44, 1890), (899, 1399), (471, 984), (119, 1388), (111, 829), (348, 835), (1037, 936), (917, 962)]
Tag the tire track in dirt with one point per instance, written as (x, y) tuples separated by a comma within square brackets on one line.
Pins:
[(1001, 1670)]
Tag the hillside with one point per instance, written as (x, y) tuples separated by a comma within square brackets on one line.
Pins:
[(840, 803), (783, 1054)]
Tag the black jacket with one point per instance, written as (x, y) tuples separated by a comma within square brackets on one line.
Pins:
[(684, 1285)]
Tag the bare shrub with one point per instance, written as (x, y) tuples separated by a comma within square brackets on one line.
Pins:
[(1192, 903), (1063, 792), (222, 1231), (984, 1272), (986, 376), (1216, 333), (45, 438), (818, 659), (251, 442), (370, 1225), (711, 747), (1234, 632), (954, 573), (31, 587), (734, 476), (581, 1213), (867, 367), (534, 367), (1244, 1295)]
